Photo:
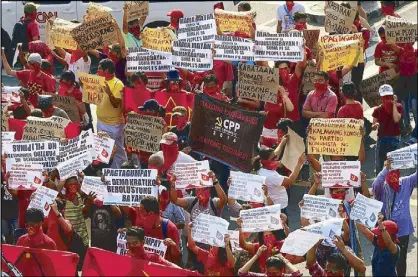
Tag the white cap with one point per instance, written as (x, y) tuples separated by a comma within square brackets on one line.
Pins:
[(169, 138), (385, 90), (35, 58)]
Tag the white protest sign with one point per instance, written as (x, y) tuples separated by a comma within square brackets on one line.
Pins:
[(343, 173), (103, 147), (121, 244), (126, 186), (156, 246), (210, 230), (6, 137), (365, 210), (316, 207), (140, 59), (25, 176), (230, 48), (328, 228), (404, 158), (200, 28), (261, 219), (192, 55), (77, 146), (94, 184), (279, 46), (234, 240), (69, 168), (10, 94), (30, 149), (42, 199), (192, 175), (246, 187), (299, 242)]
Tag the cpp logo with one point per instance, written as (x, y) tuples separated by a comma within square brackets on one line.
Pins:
[(227, 124)]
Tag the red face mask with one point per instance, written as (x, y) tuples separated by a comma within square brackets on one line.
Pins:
[(180, 122), (71, 191), (174, 87), (163, 200), (64, 87), (210, 91), (31, 16), (270, 241), (203, 195), (387, 103), (270, 165), (140, 86), (289, 5), (174, 22), (135, 30), (98, 203), (107, 76), (114, 57), (170, 153), (149, 221), (35, 67), (388, 10), (392, 178), (357, 23), (76, 55), (284, 75), (320, 87), (300, 26), (48, 112), (338, 195)]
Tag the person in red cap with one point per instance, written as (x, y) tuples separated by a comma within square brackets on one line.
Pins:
[(175, 16)]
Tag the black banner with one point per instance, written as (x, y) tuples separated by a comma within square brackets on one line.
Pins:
[(223, 132)]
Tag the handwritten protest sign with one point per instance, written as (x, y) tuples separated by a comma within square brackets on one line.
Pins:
[(58, 34), (366, 210), (92, 88), (224, 132), (30, 149), (246, 187), (125, 186), (200, 28), (143, 132), (400, 30), (103, 147), (209, 229), (192, 175), (68, 104), (43, 197), (334, 136), (10, 94), (4, 117), (328, 228), (299, 242), (94, 184), (76, 146), (279, 46), (96, 10), (154, 245), (338, 18), (295, 147), (311, 37), (137, 9), (342, 173), (229, 21), (140, 59), (159, 39), (121, 244), (369, 88), (44, 128), (316, 207), (258, 82), (25, 176), (70, 167), (404, 158), (230, 48), (192, 56), (261, 219)]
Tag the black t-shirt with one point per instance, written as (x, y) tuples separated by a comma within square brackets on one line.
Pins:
[(9, 205), (183, 135), (103, 228)]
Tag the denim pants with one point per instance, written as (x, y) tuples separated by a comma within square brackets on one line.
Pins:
[(384, 145), (407, 105), (116, 133)]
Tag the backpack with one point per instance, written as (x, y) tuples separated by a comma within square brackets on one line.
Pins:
[(212, 206), (20, 35), (164, 226)]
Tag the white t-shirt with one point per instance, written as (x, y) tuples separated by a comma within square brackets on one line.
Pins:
[(287, 23), (181, 158), (274, 183), (78, 66)]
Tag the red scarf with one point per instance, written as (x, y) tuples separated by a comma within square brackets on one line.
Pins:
[(392, 178), (170, 153)]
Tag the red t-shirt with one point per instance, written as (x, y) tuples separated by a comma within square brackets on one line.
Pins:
[(155, 258), (351, 111), (76, 93), (40, 241), (33, 83), (212, 265), (384, 52), (32, 30), (23, 199), (387, 126), (51, 226), (223, 72), (264, 256), (334, 82), (408, 60)]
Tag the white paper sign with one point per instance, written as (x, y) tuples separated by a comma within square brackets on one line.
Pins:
[(156, 246), (279, 46), (192, 175), (10, 94), (230, 48), (7, 136), (404, 158), (103, 147), (31, 149), (197, 28), (234, 240), (322, 208), (121, 244), (328, 228), (42, 199), (192, 55), (140, 59), (25, 176), (77, 146), (210, 230), (261, 219), (299, 242), (343, 173), (94, 184), (246, 187), (365, 210), (69, 168)]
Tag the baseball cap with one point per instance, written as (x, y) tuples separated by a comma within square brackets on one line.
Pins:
[(35, 58), (385, 90), (44, 101), (391, 228), (30, 8), (169, 138), (179, 111), (176, 13), (150, 105)]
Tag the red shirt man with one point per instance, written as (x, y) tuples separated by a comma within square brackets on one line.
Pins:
[(352, 108), (30, 10), (385, 56), (383, 115)]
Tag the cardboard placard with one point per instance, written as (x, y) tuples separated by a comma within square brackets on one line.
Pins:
[(366, 211), (209, 229), (192, 56), (59, 34), (140, 59), (4, 117), (279, 46), (299, 242), (400, 30), (68, 104), (230, 48), (125, 186), (44, 128), (246, 187), (261, 219), (103, 147), (341, 173), (70, 167), (10, 94), (334, 136), (144, 132), (137, 9), (369, 88), (159, 39), (295, 147), (258, 82), (192, 175), (25, 176), (404, 158), (317, 207), (338, 18), (200, 28), (311, 37), (94, 184), (96, 10), (92, 88), (42, 199), (230, 22)]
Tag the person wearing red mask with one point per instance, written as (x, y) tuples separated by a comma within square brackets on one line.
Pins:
[(30, 11), (285, 13), (395, 193), (211, 88), (384, 55), (173, 82), (388, 8), (132, 29), (35, 237), (175, 16), (49, 110), (181, 126), (69, 87), (386, 119), (301, 19)]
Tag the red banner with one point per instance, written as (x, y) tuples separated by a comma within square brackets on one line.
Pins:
[(169, 100), (100, 262), (133, 98), (37, 262)]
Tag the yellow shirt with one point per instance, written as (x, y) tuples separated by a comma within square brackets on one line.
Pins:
[(106, 113)]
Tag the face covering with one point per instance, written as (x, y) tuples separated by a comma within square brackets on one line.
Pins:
[(357, 23), (338, 195), (76, 55), (64, 87), (31, 16), (284, 75), (98, 203), (35, 67), (210, 91), (174, 22), (392, 178), (48, 112), (139, 86), (107, 76), (163, 200), (174, 87), (114, 57), (270, 165), (383, 39), (203, 195), (270, 241), (135, 30), (388, 103), (320, 87), (170, 153), (289, 5), (149, 221), (388, 10), (180, 122), (300, 26), (71, 192), (33, 229)]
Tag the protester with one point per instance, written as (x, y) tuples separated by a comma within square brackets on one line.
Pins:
[(175, 16), (48, 109), (211, 88), (58, 228), (132, 29), (388, 8), (181, 126), (32, 27), (384, 55), (285, 15)]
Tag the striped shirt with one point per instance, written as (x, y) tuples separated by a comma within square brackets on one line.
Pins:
[(74, 214)]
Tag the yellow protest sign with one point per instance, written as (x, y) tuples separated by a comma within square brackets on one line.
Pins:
[(92, 88), (334, 136), (137, 9), (228, 21), (158, 39), (59, 34), (399, 30)]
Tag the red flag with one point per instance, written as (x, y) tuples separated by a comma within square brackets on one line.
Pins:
[(353, 177), (38, 262), (132, 99), (100, 262)]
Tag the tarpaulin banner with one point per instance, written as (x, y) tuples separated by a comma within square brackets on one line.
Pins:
[(37, 262), (100, 262), (133, 99), (224, 132), (169, 100)]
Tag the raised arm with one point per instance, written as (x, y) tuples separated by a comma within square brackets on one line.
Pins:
[(173, 194), (190, 242), (295, 173), (355, 262), (221, 194), (248, 246), (380, 180), (246, 268), (366, 232), (6, 65), (396, 115)]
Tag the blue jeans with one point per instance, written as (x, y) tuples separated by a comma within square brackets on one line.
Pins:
[(384, 145)]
